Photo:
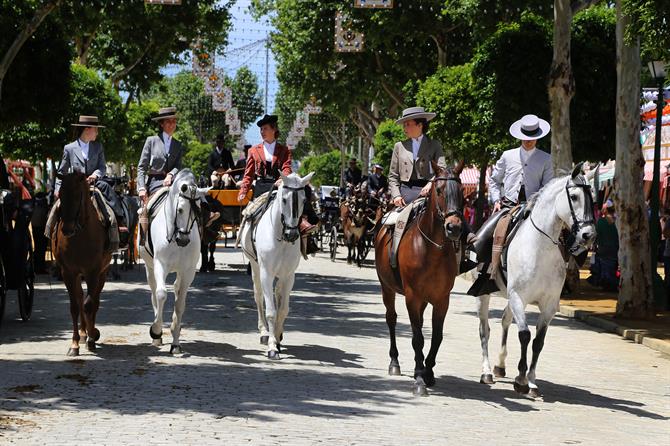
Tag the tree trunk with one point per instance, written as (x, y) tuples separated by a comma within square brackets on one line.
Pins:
[(119, 75), (441, 43), (561, 88), (481, 198), (23, 36), (635, 293)]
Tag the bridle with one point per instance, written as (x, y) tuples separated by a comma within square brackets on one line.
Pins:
[(443, 215), (77, 222), (294, 208), (192, 216)]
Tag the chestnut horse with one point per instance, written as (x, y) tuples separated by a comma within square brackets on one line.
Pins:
[(80, 245), (354, 226), (426, 270)]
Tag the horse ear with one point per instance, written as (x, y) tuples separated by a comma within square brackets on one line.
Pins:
[(436, 167), (283, 177), (592, 173), (459, 167), (577, 170), (307, 178)]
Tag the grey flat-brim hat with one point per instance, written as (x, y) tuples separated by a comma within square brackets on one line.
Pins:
[(166, 113), (415, 113), (529, 127), (88, 121)]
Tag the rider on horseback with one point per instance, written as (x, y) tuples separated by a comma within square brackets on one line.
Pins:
[(88, 156), (265, 162)]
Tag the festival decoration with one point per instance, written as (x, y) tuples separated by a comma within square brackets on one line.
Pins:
[(231, 115), (203, 62), (234, 126), (163, 2), (222, 100), (346, 39), (301, 119), (213, 82), (384, 4)]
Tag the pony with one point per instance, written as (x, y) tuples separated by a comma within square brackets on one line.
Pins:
[(173, 245), (80, 245), (536, 270), (272, 246), (426, 270)]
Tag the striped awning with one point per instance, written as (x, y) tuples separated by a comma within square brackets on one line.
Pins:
[(470, 176)]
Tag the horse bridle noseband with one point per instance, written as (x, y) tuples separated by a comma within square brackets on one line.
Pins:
[(192, 216), (286, 227)]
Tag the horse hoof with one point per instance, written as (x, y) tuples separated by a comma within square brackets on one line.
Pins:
[(499, 372), (394, 370), (419, 388), (521, 388), (157, 342), (176, 350), (278, 347), (486, 379), (273, 354), (534, 393), (264, 340), (73, 351), (155, 336), (96, 335), (90, 345)]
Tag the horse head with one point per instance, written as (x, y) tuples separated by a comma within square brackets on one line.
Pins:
[(575, 208), (74, 190), (291, 198), (447, 198), (184, 209)]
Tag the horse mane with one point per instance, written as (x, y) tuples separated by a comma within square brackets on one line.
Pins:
[(541, 194)]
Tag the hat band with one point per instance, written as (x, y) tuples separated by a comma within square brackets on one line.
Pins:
[(409, 115), (534, 132)]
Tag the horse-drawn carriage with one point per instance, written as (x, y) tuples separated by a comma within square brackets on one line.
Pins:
[(329, 214), (17, 268)]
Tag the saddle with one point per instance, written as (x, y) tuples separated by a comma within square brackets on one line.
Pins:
[(153, 205), (399, 220), (251, 215)]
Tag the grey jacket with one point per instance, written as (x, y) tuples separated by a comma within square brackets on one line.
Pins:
[(403, 164), (73, 158), (508, 174), (153, 160)]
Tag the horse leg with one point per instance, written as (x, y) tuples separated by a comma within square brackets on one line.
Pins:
[(415, 309), (74, 290), (211, 265), (180, 289), (538, 343), (518, 310), (158, 297), (349, 249), (388, 295), (439, 312), (94, 285), (499, 369), (260, 303), (283, 291), (484, 331), (267, 282)]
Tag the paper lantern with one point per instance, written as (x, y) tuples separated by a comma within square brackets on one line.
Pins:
[(162, 2), (301, 119), (346, 39), (231, 115), (385, 4), (213, 82), (222, 100), (203, 62), (235, 127)]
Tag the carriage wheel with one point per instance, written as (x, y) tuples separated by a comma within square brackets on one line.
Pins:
[(3, 291), (333, 243), (26, 288)]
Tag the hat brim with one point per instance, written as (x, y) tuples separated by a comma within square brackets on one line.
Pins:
[(160, 118), (88, 125), (425, 115), (542, 131), (262, 122)]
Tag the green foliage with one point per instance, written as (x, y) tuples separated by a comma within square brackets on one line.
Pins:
[(451, 93), (196, 157), (246, 91), (510, 71), (650, 21), (140, 126), (326, 167), (388, 133), (89, 95), (593, 108), (37, 83)]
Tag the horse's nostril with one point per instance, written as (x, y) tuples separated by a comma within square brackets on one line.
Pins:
[(587, 235)]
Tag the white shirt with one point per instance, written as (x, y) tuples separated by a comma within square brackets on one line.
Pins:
[(167, 139), (416, 143), (84, 149), (269, 149)]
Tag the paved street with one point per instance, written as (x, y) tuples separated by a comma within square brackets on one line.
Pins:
[(331, 386)]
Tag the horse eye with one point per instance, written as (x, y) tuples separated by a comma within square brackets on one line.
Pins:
[(573, 197), (180, 210)]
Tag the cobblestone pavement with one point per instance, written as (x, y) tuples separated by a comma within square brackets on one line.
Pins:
[(331, 386)]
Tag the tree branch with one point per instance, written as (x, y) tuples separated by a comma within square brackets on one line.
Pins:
[(579, 5), (395, 97), (23, 36), (116, 77)]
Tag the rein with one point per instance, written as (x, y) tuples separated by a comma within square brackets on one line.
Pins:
[(192, 218), (77, 223), (285, 226), (442, 216)]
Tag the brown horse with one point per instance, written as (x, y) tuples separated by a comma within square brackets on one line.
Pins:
[(80, 245), (354, 226), (426, 270)]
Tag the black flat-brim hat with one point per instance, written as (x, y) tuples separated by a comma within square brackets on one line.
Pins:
[(165, 113), (88, 121), (267, 119)]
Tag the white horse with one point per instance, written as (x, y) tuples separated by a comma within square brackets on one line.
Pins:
[(536, 271), (175, 238), (273, 247)]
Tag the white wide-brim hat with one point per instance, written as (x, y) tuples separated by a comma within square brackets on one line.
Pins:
[(88, 121), (415, 113), (165, 113), (529, 127)]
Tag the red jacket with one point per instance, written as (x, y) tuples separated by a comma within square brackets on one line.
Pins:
[(256, 157)]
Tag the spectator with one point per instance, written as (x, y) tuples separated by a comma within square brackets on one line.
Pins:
[(607, 249)]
